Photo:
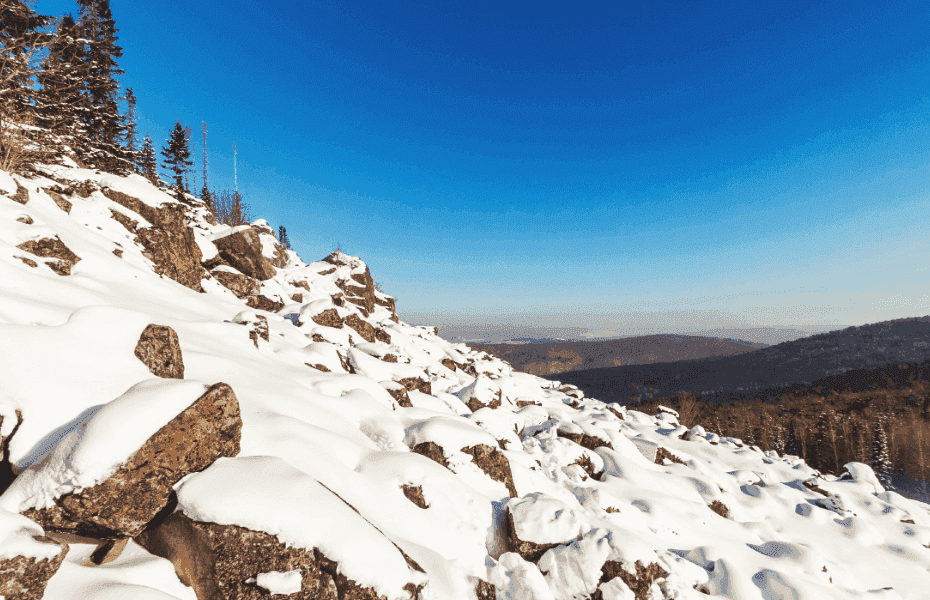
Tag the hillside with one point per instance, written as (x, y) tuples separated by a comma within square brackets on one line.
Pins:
[(559, 357), (190, 411), (799, 362)]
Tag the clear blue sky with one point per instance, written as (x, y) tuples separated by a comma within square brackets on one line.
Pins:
[(616, 166)]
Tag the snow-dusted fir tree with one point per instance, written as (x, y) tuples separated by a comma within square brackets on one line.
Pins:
[(147, 163), (881, 457), (61, 106), (129, 119), (282, 237), (177, 156)]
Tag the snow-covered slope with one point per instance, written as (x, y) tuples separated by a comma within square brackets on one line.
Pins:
[(393, 460)]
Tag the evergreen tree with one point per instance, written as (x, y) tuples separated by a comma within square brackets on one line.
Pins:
[(61, 106), (792, 445), (881, 458), (282, 237), (131, 128), (177, 158), (147, 163), (104, 123), (22, 39)]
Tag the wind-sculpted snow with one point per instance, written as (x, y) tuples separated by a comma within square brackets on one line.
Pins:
[(416, 466)]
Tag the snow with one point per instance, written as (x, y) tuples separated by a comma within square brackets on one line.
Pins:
[(277, 582), (316, 445)]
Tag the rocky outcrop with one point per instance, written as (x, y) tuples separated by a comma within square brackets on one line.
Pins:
[(328, 318), (125, 502), (169, 243), (431, 451), (530, 551), (639, 584), (6, 467), (260, 302), (221, 562), (59, 199), (257, 325), (239, 284), (52, 248), (398, 392), (414, 493), (363, 328), (243, 251), (415, 383), (493, 462), (160, 351), (583, 439), (25, 578), (21, 195)]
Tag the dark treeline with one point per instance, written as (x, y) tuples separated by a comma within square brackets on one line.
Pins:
[(880, 417), (60, 96)]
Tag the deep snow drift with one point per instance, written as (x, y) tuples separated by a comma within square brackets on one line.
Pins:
[(592, 500)]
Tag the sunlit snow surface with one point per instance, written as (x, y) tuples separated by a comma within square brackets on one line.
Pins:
[(67, 363)]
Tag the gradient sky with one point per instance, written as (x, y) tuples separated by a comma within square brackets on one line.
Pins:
[(624, 166)]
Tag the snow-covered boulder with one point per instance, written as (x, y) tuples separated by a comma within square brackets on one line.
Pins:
[(114, 471), (28, 559)]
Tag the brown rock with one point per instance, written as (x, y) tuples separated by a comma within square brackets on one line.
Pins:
[(126, 501), (318, 338), (587, 441), (131, 225), (399, 393), (485, 590), (280, 256), (241, 285), (431, 451), (297, 297), (389, 358), (323, 368), (52, 248), (108, 551), (346, 365), (302, 283), (530, 551), (221, 561), (364, 329), (260, 302), (243, 250), (160, 351), (720, 508), (639, 584), (328, 318), (6, 468), (118, 252), (585, 463), (448, 363), (21, 195), (475, 404), (493, 462), (28, 261), (59, 200), (382, 336), (258, 329), (662, 454), (616, 413), (338, 300), (25, 219), (522, 403), (169, 243), (414, 493), (25, 578), (415, 383)]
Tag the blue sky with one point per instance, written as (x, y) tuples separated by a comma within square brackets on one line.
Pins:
[(620, 166)]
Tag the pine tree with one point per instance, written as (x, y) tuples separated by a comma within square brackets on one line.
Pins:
[(61, 106), (147, 163), (131, 128), (22, 40), (881, 458), (177, 158), (104, 123), (282, 237)]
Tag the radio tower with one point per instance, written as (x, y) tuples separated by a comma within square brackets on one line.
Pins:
[(235, 177)]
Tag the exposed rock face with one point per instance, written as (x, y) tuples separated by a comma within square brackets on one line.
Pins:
[(260, 302), (431, 451), (26, 219), (243, 251), (297, 297), (662, 454), (6, 468), (169, 243), (328, 318), (52, 248), (530, 551), (485, 590), (21, 195), (398, 392), (219, 561), (131, 225), (280, 256), (25, 578), (415, 383), (122, 505), (160, 351), (448, 363), (389, 358), (493, 462), (364, 329), (639, 584), (59, 200), (720, 508), (241, 285), (257, 324), (318, 367), (587, 441), (414, 493)]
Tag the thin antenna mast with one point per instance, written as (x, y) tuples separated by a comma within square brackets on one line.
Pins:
[(235, 176)]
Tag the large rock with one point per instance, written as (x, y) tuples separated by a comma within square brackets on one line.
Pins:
[(160, 351), (127, 500), (52, 248), (169, 243), (328, 318), (242, 250), (25, 577), (489, 459), (363, 328), (239, 284), (260, 302)]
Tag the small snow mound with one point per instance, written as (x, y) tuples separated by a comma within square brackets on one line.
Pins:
[(278, 582), (861, 472)]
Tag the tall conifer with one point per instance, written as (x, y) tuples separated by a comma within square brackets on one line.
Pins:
[(147, 163), (177, 156)]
